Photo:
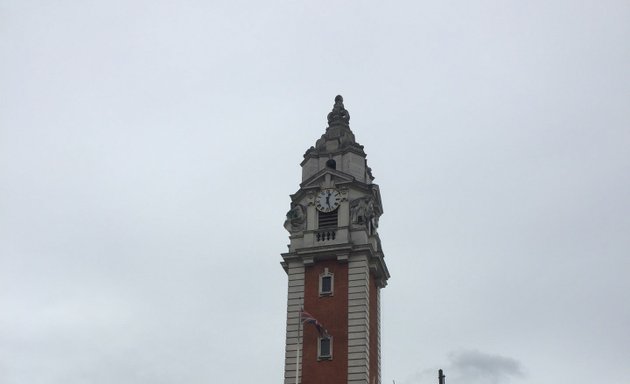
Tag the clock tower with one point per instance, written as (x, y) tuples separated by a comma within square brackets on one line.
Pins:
[(335, 264)]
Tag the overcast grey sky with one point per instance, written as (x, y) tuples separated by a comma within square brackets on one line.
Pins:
[(148, 150)]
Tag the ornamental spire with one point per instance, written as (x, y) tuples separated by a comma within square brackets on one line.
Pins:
[(338, 115), (338, 135)]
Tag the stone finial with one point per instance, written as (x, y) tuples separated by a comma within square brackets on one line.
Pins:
[(338, 115)]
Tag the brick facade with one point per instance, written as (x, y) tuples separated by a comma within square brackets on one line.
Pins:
[(332, 312)]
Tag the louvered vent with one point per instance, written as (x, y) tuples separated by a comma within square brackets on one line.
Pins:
[(328, 219)]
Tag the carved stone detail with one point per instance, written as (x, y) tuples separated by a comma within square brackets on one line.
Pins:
[(296, 219), (338, 115), (362, 213)]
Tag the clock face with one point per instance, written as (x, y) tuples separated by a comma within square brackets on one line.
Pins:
[(328, 200)]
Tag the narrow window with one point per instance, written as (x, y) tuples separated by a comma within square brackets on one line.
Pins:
[(326, 283), (331, 164), (324, 348)]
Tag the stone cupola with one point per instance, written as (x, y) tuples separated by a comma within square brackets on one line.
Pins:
[(337, 148)]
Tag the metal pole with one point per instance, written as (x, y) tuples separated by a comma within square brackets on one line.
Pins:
[(441, 377)]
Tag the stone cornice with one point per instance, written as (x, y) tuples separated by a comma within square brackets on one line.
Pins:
[(304, 188), (342, 253), (343, 178), (314, 153)]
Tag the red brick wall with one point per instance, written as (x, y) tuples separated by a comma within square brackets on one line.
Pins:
[(332, 312)]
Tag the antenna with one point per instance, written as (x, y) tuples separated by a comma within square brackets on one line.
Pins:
[(441, 377)]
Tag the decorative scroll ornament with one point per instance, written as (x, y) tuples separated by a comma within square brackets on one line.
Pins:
[(338, 115)]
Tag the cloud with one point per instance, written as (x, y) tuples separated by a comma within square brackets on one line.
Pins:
[(474, 366), (471, 367)]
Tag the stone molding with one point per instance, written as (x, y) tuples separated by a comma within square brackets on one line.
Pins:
[(295, 272), (358, 319)]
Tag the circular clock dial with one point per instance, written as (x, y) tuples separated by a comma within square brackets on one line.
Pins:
[(328, 200)]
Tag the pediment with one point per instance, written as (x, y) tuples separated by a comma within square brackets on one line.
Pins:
[(327, 178)]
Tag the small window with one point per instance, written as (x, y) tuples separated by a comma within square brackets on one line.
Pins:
[(331, 164), (326, 283), (324, 348)]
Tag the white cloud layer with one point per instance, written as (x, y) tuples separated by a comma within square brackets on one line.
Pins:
[(148, 148)]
